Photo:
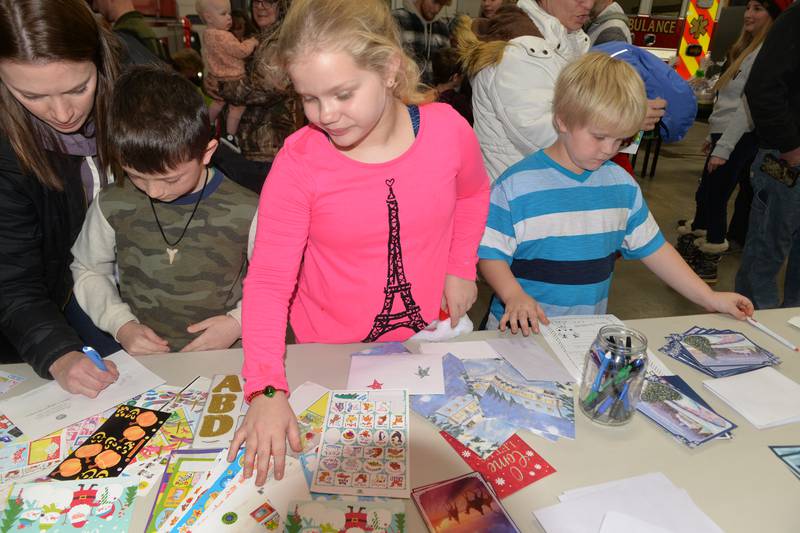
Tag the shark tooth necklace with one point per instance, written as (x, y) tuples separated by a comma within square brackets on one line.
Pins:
[(172, 247)]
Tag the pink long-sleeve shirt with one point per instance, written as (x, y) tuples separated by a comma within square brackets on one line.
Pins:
[(322, 245)]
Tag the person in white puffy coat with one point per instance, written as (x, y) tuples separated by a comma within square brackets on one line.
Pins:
[(511, 99), (513, 81)]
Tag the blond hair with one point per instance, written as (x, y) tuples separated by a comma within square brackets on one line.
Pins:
[(365, 29), (600, 91), (743, 47), (201, 6)]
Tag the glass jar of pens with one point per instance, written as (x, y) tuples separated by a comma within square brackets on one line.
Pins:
[(613, 374)]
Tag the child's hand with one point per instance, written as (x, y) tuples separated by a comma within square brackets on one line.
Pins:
[(77, 374), (732, 303), (266, 426), (459, 295), (138, 339), (520, 309), (219, 332)]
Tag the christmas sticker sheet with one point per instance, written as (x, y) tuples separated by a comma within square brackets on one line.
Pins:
[(386, 516), (90, 505), (364, 449)]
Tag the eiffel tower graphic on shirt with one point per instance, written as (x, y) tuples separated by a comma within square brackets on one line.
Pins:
[(396, 283)]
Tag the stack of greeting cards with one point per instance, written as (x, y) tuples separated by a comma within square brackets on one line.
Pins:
[(718, 352)]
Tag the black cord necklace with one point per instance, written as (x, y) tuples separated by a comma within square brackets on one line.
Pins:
[(172, 249)]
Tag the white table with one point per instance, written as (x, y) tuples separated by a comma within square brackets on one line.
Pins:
[(739, 483)]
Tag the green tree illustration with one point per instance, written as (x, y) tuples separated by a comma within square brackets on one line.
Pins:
[(130, 495), (702, 344), (400, 523), (659, 392), (293, 522), (10, 515)]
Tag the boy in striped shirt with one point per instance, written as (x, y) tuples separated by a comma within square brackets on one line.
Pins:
[(560, 217)]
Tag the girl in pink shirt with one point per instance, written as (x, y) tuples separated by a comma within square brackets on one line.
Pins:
[(370, 220)]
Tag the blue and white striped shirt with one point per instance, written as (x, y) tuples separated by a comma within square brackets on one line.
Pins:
[(560, 232)]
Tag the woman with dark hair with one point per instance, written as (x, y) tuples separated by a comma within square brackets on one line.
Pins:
[(57, 70), (273, 110)]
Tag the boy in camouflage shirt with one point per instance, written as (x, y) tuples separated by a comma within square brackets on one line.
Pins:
[(161, 257)]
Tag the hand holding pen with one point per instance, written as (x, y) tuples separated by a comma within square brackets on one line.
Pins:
[(81, 373)]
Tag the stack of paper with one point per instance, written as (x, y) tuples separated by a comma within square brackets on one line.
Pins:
[(766, 398), (49, 407), (717, 352), (648, 504)]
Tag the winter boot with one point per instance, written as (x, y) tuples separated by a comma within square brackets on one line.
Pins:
[(686, 237), (706, 263)]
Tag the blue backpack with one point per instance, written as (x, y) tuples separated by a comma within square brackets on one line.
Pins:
[(660, 81)]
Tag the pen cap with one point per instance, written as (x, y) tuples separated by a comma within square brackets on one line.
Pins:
[(613, 375)]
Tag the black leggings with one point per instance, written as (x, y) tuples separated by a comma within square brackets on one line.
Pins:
[(715, 189)]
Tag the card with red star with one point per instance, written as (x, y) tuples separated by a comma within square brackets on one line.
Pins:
[(513, 466)]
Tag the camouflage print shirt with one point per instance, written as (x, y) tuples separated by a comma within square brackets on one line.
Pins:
[(204, 278)]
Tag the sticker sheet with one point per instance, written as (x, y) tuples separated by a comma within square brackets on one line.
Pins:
[(9, 381), (8, 431), (113, 446), (18, 456), (221, 412), (387, 516), (89, 505), (176, 433), (185, 470), (512, 467), (241, 507), (365, 449), (76, 434)]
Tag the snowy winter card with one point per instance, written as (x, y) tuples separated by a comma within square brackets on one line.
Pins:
[(458, 411), (57, 507), (687, 419), (420, 374), (789, 455), (387, 516)]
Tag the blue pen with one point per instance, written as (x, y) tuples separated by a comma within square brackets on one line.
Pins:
[(601, 371), (605, 405), (92, 354)]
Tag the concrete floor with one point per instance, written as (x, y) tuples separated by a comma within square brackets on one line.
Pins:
[(635, 291)]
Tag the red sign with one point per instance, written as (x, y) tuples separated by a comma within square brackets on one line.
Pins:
[(156, 8), (656, 32)]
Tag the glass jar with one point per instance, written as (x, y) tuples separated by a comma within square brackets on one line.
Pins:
[(613, 375)]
